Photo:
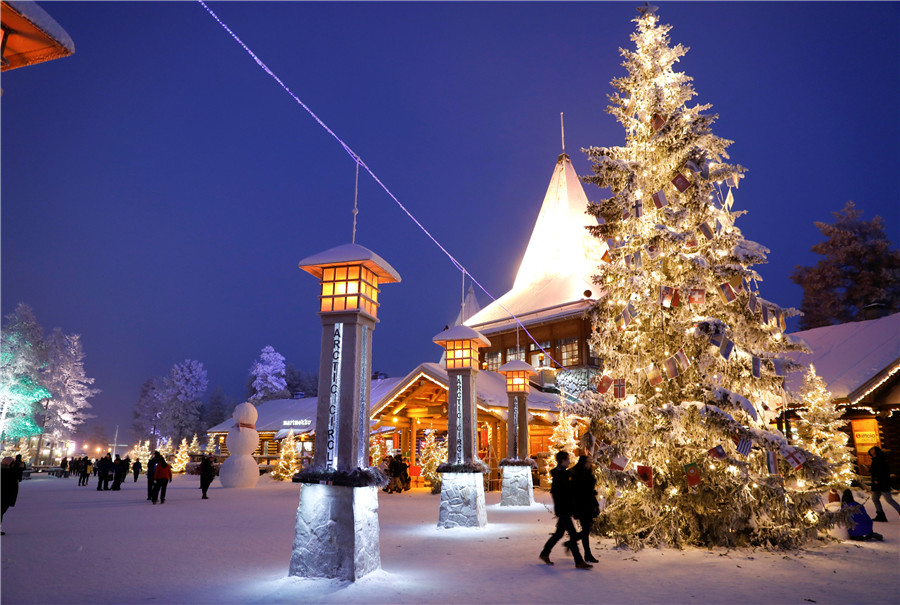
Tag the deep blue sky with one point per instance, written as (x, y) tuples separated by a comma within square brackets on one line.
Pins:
[(159, 189)]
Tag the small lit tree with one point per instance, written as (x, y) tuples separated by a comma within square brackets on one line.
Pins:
[(211, 444), (819, 430), (377, 449), (141, 452), (194, 447), (288, 465), (563, 438), (433, 453), (181, 458)]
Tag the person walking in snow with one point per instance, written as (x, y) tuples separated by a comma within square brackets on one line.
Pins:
[(86, 468), (585, 506), (117, 473), (151, 472), (561, 490), (136, 468), (104, 468), (881, 483), (207, 474), (162, 474)]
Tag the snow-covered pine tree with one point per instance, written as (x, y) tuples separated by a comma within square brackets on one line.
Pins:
[(268, 377), (194, 446), (433, 453), (70, 387), (377, 449), (184, 387), (288, 463), (147, 412), (858, 267), (182, 457), (22, 360), (820, 430), (694, 355)]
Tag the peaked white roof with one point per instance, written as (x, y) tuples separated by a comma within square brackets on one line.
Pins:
[(851, 358), (561, 256)]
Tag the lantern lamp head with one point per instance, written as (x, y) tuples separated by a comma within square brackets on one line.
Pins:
[(517, 373), (349, 277), (462, 344)]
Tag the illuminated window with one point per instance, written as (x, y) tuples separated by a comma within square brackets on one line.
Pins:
[(535, 356), (514, 353), (349, 288), (568, 351), (462, 354), (493, 360)]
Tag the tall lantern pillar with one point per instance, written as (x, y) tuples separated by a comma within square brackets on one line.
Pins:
[(517, 487), (462, 484), (337, 530)]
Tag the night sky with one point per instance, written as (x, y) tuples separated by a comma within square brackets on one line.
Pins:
[(159, 189)]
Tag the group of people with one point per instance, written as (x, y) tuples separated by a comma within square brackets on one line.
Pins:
[(574, 498), (397, 470)]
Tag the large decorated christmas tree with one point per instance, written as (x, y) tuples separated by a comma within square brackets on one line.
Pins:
[(693, 355)]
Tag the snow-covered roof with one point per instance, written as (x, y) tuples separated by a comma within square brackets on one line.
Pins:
[(461, 332), (561, 256), (34, 36), (517, 365), (490, 389), (851, 358), (350, 253), (298, 414)]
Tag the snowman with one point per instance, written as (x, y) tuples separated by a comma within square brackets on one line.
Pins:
[(240, 469)]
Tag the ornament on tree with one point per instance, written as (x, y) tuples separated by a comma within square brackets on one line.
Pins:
[(604, 384), (752, 303), (793, 456), (726, 348), (692, 472), (772, 463), (645, 474), (681, 183), (618, 463), (726, 293), (757, 367), (671, 367), (697, 296), (619, 388), (742, 444), (657, 123), (652, 251), (653, 375), (718, 452), (666, 294), (682, 360), (659, 199)]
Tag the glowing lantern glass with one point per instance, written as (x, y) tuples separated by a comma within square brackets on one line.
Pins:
[(349, 277), (461, 344), (517, 373)]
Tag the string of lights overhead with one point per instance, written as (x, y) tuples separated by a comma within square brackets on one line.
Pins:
[(359, 162)]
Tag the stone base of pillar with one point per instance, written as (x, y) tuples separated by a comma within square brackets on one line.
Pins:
[(462, 500), (336, 533), (517, 488)]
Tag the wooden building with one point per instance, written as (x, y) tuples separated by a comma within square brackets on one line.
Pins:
[(860, 364)]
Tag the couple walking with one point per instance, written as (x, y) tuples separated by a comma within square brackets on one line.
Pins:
[(574, 495)]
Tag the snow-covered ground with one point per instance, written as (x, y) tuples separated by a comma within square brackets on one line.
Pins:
[(70, 544)]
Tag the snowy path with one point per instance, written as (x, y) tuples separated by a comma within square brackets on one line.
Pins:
[(66, 544)]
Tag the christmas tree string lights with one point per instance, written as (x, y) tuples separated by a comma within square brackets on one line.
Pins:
[(686, 453)]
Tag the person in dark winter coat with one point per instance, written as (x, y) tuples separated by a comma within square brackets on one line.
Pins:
[(151, 472), (86, 468), (162, 474), (117, 473), (104, 469), (585, 506), (860, 523), (9, 486), (136, 468), (881, 483), (207, 474), (561, 490)]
